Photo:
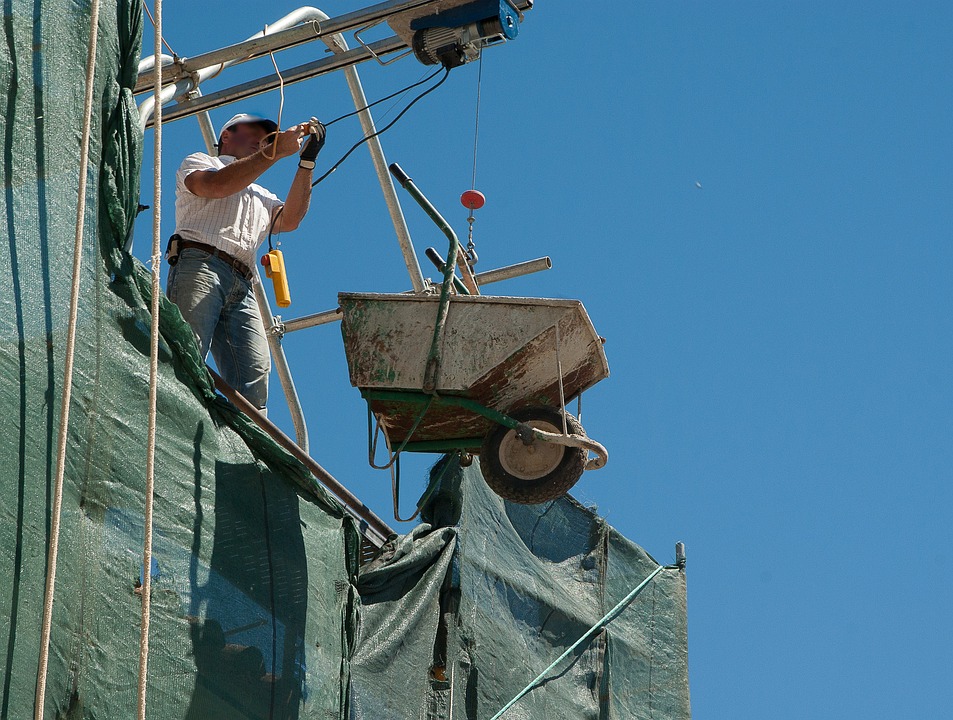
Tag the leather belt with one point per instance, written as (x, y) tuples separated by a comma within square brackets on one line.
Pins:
[(241, 267)]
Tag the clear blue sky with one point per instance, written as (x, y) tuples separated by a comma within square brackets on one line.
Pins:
[(779, 338)]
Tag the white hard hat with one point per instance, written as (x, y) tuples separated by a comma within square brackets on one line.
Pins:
[(246, 118)]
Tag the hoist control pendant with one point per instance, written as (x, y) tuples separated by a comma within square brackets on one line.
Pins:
[(274, 263), (472, 199)]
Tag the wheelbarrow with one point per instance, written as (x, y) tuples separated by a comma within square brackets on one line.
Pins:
[(477, 374)]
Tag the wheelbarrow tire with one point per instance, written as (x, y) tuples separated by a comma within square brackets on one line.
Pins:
[(537, 473)]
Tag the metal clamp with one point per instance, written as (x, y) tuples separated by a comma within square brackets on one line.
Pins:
[(360, 40)]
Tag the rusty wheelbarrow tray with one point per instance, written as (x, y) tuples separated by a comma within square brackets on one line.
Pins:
[(498, 358)]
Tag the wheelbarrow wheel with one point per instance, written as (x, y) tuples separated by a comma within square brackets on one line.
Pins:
[(535, 473)]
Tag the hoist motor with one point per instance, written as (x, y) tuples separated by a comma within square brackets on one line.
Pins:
[(456, 36)]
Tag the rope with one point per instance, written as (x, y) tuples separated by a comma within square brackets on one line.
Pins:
[(559, 374), (281, 107), (470, 255), (153, 385), (606, 619), (47, 622)]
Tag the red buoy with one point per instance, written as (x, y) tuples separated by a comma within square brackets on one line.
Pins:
[(472, 199)]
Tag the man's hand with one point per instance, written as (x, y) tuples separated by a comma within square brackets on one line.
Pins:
[(286, 143), (312, 144)]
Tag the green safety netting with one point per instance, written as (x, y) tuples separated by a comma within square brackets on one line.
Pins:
[(259, 607), (460, 615), (252, 579)]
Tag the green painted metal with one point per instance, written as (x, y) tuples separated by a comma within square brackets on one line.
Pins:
[(443, 446), (433, 358), (418, 398)]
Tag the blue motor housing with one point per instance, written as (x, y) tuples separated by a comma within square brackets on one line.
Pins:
[(457, 35)]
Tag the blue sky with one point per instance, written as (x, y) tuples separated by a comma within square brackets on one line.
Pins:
[(779, 338)]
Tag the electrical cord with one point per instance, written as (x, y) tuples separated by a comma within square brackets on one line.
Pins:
[(364, 139), (388, 126), (384, 99)]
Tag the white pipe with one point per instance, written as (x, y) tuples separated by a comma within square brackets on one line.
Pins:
[(200, 75), (387, 185), (208, 132), (281, 365), (321, 318), (148, 63), (512, 271)]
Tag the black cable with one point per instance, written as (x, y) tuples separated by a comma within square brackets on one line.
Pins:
[(388, 126), (383, 99), (364, 139)]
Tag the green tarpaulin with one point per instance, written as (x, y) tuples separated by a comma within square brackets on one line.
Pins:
[(259, 607), (485, 595)]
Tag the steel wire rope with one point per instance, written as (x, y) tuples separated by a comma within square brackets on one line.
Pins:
[(146, 586), (476, 132), (373, 135), (56, 510), (605, 620), (470, 254), (158, 48)]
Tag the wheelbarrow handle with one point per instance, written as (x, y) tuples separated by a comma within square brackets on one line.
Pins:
[(579, 441), (399, 175)]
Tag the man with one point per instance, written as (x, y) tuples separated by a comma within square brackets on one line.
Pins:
[(221, 218)]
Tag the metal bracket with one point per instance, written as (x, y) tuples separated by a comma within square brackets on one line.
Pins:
[(525, 433), (360, 40), (519, 13)]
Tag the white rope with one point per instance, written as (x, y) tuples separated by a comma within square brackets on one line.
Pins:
[(153, 378), (47, 622), (559, 375)]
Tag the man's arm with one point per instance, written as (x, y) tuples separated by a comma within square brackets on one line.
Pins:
[(290, 215), (241, 173)]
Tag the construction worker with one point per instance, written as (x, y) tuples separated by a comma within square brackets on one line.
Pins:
[(221, 218)]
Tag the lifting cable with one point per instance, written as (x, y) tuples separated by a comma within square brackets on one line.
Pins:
[(146, 587), (56, 510), (476, 125), (473, 199)]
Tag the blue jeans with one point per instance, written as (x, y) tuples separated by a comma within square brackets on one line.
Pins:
[(220, 305)]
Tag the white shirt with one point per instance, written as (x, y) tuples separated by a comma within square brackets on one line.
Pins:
[(236, 224)]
